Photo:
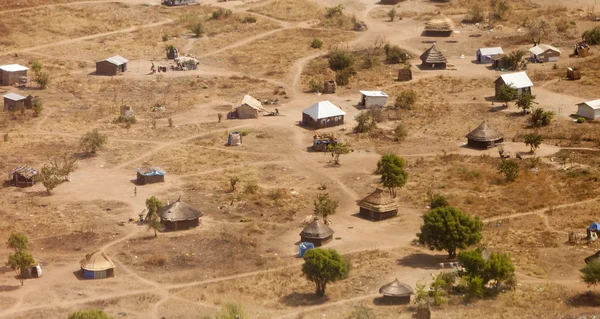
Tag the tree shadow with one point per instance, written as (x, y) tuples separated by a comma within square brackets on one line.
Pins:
[(588, 299), (4, 288), (299, 299), (420, 260), (5, 269), (497, 108)]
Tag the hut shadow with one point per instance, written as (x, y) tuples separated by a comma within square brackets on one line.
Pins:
[(357, 215), (497, 108), (420, 260), (305, 127), (381, 301), (332, 165), (134, 182), (425, 34), (6, 288), (78, 274), (491, 98), (299, 299), (588, 299), (469, 147), (424, 68), (359, 107)]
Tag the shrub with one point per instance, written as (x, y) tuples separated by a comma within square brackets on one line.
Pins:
[(592, 36), (251, 188), (392, 14), (37, 107), (42, 78), (249, 19), (89, 314), (406, 100), (340, 59), (364, 122), (244, 132), (581, 119), (315, 85), (334, 11), (316, 43), (540, 118), (473, 287), (198, 29), (92, 141), (438, 200), (400, 132), (221, 14), (342, 77), (126, 119), (476, 14), (165, 37), (394, 54), (231, 311), (510, 169)]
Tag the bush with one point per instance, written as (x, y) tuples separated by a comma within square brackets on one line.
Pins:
[(473, 287), (89, 314), (581, 119), (198, 29), (364, 122), (342, 77), (406, 100), (316, 43), (315, 85), (394, 54), (476, 14), (126, 119), (249, 19), (37, 107), (438, 200), (92, 141), (400, 133), (221, 14), (340, 60), (244, 132), (165, 37), (592, 36), (334, 11), (540, 118), (231, 311), (251, 188), (510, 169), (42, 78)]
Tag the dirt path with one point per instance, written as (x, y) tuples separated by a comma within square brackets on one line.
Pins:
[(538, 211)]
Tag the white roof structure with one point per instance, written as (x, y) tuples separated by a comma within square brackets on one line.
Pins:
[(541, 48), (491, 51), (595, 104), (517, 80), (323, 109), (251, 102), (13, 68), (14, 97), (373, 93), (116, 60)]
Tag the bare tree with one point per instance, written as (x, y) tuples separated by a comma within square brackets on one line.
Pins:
[(371, 56), (541, 29)]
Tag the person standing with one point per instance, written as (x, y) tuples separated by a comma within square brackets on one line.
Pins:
[(135, 191)]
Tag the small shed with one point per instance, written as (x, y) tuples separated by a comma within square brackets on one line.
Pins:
[(23, 176), (544, 53), (404, 74), (97, 265), (321, 142), (329, 87), (172, 52), (519, 81), (14, 102), (248, 108), (484, 55), (432, 58), (111, 66), (32, 272), (149, 175), (484, 137), (234, 139), (371, 99), (589, 110), (179, 216), (498, 62), (396, 292), (317, 233), (439, 25), (323, 114), (378, 206), (10, 73)]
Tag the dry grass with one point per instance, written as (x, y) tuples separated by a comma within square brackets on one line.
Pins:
[(587, 86), (292, 10)]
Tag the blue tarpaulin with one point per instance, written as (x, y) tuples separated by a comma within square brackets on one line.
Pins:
[(303, 247), (594, 227)]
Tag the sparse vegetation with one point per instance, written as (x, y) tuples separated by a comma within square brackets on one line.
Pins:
[(406, 100), (539, 117), (542, 30), (338, 150), (364, 122), (92, 141), (231, 311), (394, 54), (198, 29), (89, 314), (510, 169), (316, 43), (591, 36), (221, 14), (392, 14)]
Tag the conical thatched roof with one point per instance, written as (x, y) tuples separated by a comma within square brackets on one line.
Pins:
[(96, 261), (396, 289), (378, 201), (593, 258), (178, 211), (484, 133), (433, 56), (440, 23), (316, 230)]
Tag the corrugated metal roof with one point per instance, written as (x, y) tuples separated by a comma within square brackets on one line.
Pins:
[(13, 68), (322, 110), (595, 104), (14, 97), (491, 51), (373, 93), (150, 171), (517, 80), (252, 102), (541, 48), (116, 60)]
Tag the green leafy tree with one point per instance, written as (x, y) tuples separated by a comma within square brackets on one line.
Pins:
[(525, 101), (51, 177), (17, 241), (92, 141), (510, 169), (324, 206), (393, 172), (323, 266), (533, 140), (539, 117), (392, 14), (364, 122), (394, 54), (590, 274), (591, 36), (506, 93), (20, 261), (449, 229), (153, 204), (406, 100), (438, 200), (89, 314), (338, 150), (472, 261), (231, 311), (499, 267)]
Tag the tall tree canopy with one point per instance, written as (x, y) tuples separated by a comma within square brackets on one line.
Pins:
[(323, 266), (393, 172)]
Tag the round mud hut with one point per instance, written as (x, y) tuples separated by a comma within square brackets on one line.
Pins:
[(439, 26), (179, 216), (97, 266), (433, 59), (378, 206), (484, 137), (317, 233), (396, 292)]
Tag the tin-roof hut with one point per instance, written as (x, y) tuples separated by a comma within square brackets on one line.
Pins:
[(14, 102), (323, 114), (179, 216), (22, 176), (396, 292), (378, 206), (248, 108), (317, 233), (544, 53), (111, 66), (97, 265), (518, 80), (590, 109), (439, 25), (149, 175), (433, 58), (10, 73), (484, 137)]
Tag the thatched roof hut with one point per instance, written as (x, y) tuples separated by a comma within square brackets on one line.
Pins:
[(179, 216), (97, 265), (378, 205), (317, 233), (396, 292), (433, 58), (439, 25), (484, 137)]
